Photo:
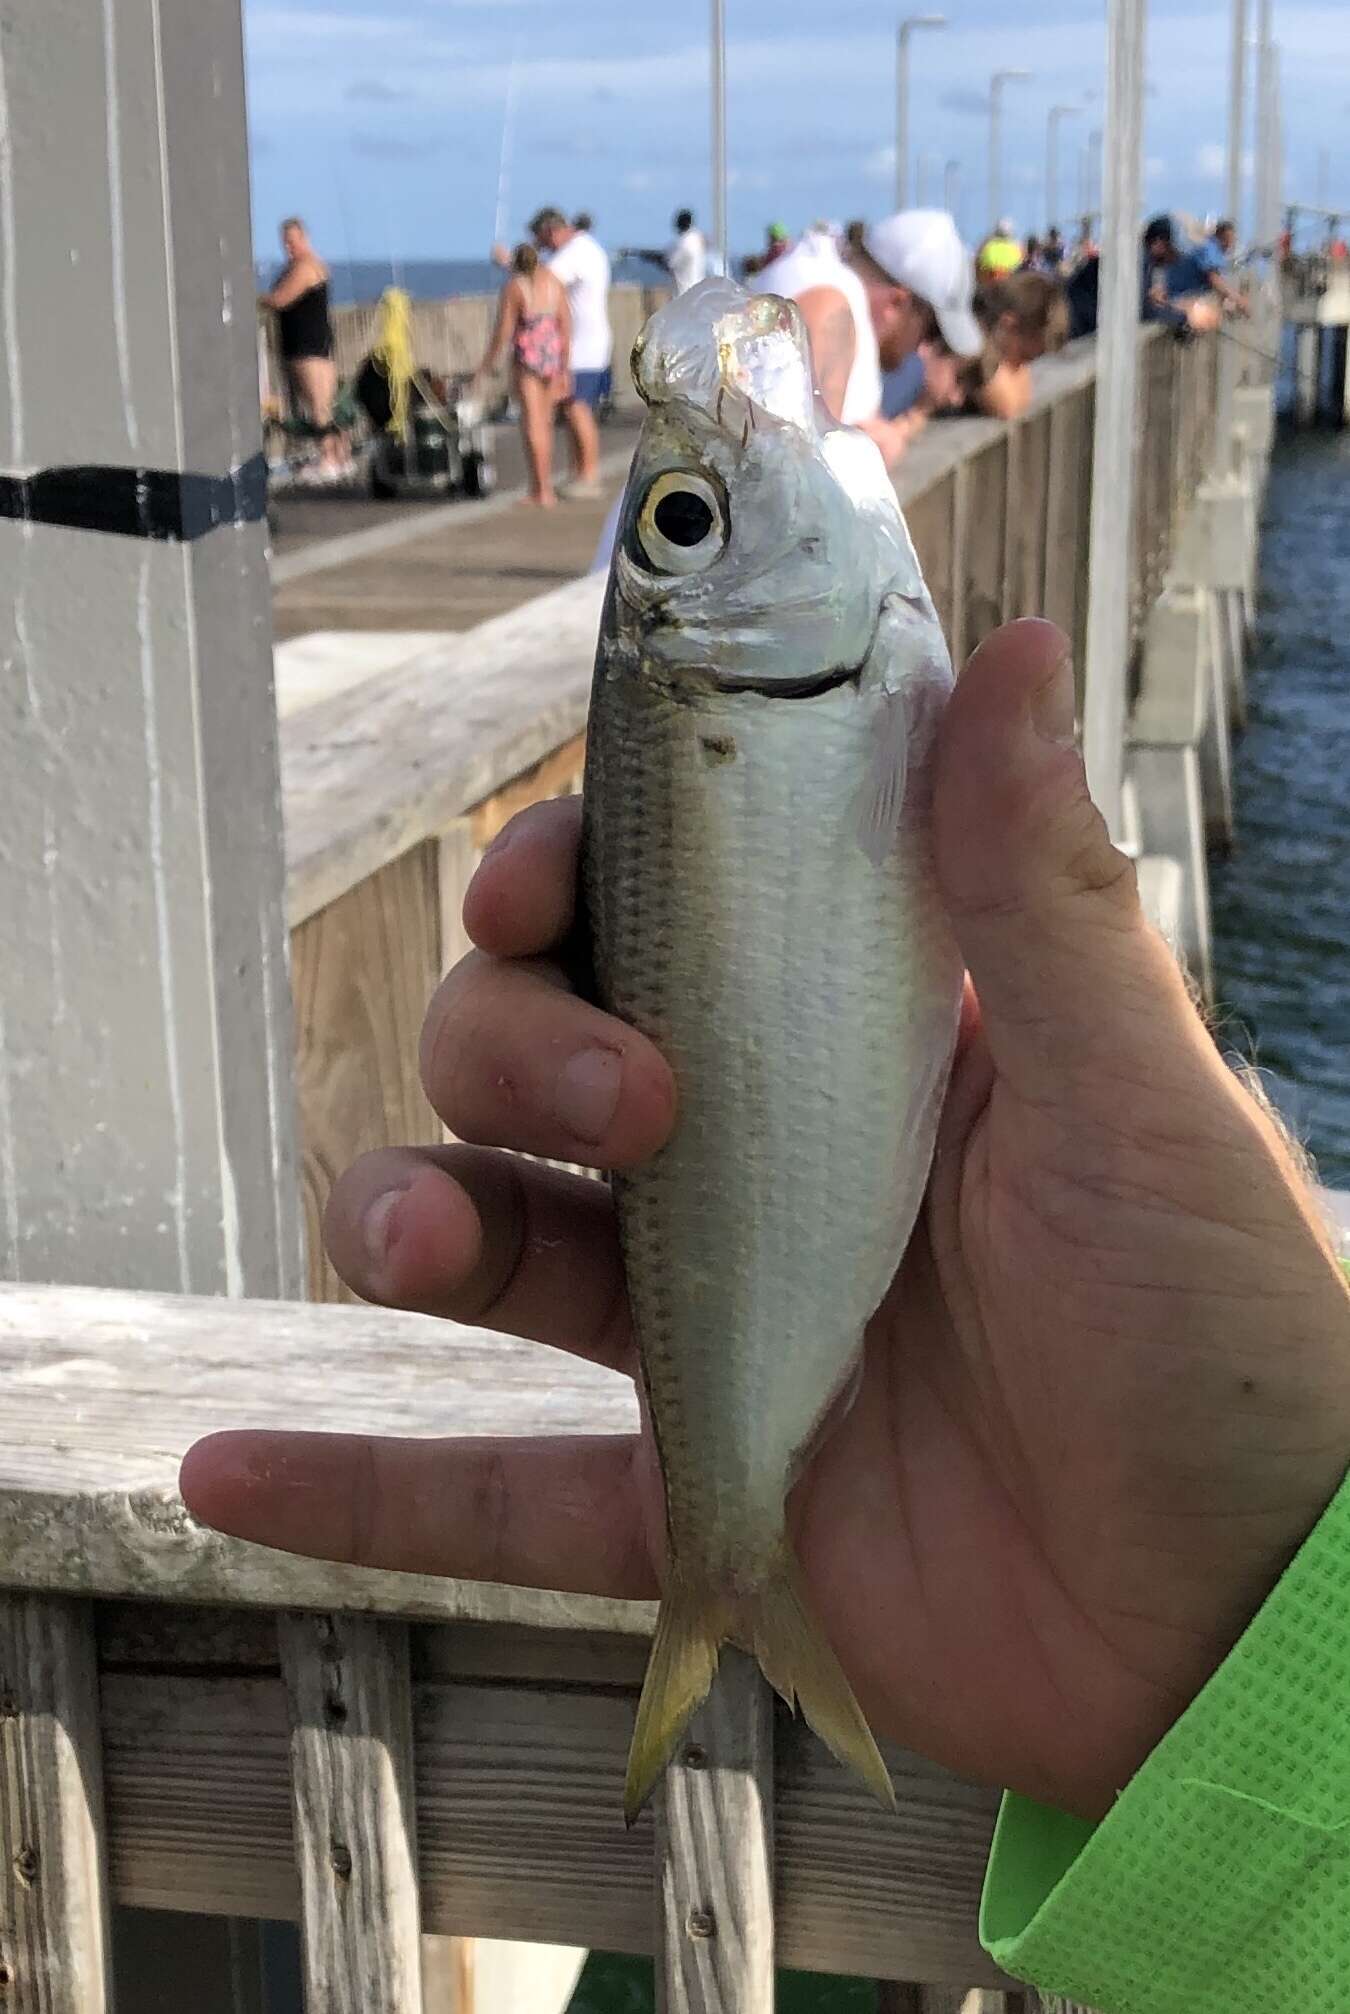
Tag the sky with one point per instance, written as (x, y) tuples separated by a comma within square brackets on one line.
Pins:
[(383, 124)]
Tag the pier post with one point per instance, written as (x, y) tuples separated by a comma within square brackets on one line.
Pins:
[(1111, 568), (1167, 732), (1307, 373), (146, 1132)]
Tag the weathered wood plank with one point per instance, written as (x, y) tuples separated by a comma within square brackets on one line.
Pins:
[(363, 972), (54, 1921), (1029, 499), (931, 521), (371, 773), (714, 1853), (148, 1637), (349, 1695), (981, 581), (88, 1492), (520, 1834)]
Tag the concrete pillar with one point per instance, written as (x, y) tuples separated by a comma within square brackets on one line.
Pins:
[(1308, 357), (1339, 395), (1254, 419), (1215, 746), (146, 1129), (1167, 731)]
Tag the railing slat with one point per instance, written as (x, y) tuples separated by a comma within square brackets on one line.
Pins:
[(54, 1918), (714, 1856), (348, 1688)]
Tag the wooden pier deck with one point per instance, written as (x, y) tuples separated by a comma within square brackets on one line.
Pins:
[(343, 562)]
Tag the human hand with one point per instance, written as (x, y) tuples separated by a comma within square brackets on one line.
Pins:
[(1104, 1401), (942, 377)]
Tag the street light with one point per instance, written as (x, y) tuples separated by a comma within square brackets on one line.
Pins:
[(902, 35), (1052, 119), (996, 83), (951, 190)]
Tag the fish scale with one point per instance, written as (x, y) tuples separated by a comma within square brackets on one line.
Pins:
[(798, 977)]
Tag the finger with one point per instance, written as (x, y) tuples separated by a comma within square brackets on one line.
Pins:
[(487, 1239), (522, 900), (1070, 978), (565, 1513), (511, 1058)]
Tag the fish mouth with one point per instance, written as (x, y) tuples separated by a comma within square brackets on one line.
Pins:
[(794, 688)]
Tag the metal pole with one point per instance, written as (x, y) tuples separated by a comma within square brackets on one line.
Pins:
[(902, 116), (1267, 225), (1110, 565), (1237, 107), (996, 84), (1052, 119), (902, 35), (951, 187), (719, 130)]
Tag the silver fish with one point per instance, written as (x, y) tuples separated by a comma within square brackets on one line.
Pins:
[(770, 675)]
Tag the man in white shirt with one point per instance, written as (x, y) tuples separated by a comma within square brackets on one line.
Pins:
[(582, 264), (905, 291), (687, 259)]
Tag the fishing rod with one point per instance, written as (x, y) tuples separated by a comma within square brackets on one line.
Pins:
[(1252, 349), (508, 136)]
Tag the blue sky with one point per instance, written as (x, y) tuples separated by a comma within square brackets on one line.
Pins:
[(383, 124)]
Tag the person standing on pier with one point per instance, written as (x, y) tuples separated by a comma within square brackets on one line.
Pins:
[(534, 321), (299, 300), (581, 264)]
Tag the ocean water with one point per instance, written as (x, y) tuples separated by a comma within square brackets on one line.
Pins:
[(1282, 903), (358, 281)]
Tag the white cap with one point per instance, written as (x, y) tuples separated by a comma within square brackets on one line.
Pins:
[(922, 250)]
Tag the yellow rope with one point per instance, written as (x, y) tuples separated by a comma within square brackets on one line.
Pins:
[(393, 352)]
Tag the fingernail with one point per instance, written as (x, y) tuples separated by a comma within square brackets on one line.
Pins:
[(588, 1092), (1053, 706), (378, 1227)]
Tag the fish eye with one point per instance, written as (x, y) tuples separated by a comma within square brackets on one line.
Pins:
[(681, 526)]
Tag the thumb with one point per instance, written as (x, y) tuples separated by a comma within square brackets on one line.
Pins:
[(1045, 909)]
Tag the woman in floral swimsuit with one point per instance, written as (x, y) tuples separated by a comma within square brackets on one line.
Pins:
[(533, 319)]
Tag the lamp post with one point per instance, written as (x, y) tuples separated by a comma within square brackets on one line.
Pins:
[(719, 130), (1237, 110), (996, 84), (902, 35), (1052, 119)]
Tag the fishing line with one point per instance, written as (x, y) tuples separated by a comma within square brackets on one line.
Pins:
[(508, 136)]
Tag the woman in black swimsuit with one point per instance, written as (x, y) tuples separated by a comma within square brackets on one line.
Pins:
[(300, 302)]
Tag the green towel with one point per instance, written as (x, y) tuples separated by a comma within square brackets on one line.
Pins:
[(1220, 1881)]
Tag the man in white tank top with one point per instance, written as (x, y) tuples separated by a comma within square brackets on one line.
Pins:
[(906, 291)]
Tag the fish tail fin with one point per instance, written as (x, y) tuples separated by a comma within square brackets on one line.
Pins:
[(773, 1622), (795, 1656), (693, 1624)]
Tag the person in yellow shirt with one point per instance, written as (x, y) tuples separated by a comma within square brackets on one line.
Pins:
[(1001, 253)]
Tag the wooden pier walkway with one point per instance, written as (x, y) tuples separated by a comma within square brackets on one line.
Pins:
[(434, 567)]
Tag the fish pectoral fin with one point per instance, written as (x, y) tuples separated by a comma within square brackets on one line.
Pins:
[(775, 1624), (882, 796), (906, 679), (796, 1658)]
